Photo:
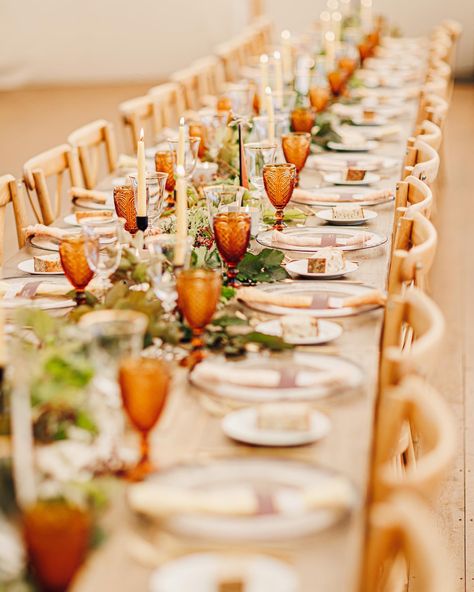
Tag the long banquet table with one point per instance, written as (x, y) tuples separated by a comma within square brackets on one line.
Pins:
[(190, 431)]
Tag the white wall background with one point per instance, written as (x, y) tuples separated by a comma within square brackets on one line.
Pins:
[(82, 41)]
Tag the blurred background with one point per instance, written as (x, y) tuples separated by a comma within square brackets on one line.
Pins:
[(64, 63)]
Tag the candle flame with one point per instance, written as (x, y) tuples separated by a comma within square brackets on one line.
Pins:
[(285, 34), (180, 171), (264, 59), (142, 135), (268, 90), (330, 36), (181, 121), (276, 55)]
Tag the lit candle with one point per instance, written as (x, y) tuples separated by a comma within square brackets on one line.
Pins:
[(325, 19), (181, 217), (141, 177), (181, 144), (336, 19), (287, 57), (330, 49), (366, 15), (270, 115), (263, 76), (278, 76)]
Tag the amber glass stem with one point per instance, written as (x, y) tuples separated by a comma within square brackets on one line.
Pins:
[(170, 200), (232, 272), (197, 341), (279, 224), (144, 450)]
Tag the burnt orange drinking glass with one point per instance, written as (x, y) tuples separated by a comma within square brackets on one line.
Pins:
[(144, 385), (279, 181), (74, 263), (296, 147), (319, 98), (56, 535), (302, 119), (198, 130), (198, 294), (164, 163), (124, 202), (348, 65), (232, 234), (337, 81)]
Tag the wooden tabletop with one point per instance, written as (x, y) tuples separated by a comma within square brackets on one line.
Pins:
[(190, 430)]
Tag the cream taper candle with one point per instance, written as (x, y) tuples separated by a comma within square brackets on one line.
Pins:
[(141, 176)]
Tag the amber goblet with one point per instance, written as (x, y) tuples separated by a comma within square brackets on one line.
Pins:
[(74, 263), (296, 147), (319, 98), (302, 119), (279, 181), (124, 202), (348, 65), (164, 163), (144, 385), (337, 81), (198, 130), (198, 294), (232, 234), (56, 535)]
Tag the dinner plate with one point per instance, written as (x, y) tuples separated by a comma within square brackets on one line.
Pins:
[(333, 161), (347, 196), (339, 178), (327, 216), (241, 425), (72, 220), (328, 331), (285, 479), (344, 232), (28, 266), (376, 121), (304, 377), (305, 288), (362, 147), (201, 572), (43, 302), (300, 267)]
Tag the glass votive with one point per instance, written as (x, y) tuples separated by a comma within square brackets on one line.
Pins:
[(191, 149), (205, 173), (282, 126), (155, 187), (258, 154)]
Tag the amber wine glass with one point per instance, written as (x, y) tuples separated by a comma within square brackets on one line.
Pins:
[(198, 294), (232, 234), (319, 98), (164, 163), (279, 181), (296, 147), (124, 202), (56, 535), (144, 385), (74, 263), (303, 119)]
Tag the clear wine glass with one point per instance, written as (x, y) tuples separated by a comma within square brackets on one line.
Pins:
[(103, 250)]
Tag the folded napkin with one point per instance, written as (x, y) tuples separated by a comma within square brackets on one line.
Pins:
[(325, 240), (47, 231), (39, 289), (97, 197), (315, 302), (263, 378), (161, 501), (310, 197)]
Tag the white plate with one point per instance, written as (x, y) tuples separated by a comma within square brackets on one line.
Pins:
[(342, 375), (362, 147), (266, 238), (282, 477), (241, 425), (200, 572), (333, 161), (327, 216), (328, 331), (300, 267), (28, 266), (376, 121), (348, 196), (72, 220), (305, 288), (339, 178)]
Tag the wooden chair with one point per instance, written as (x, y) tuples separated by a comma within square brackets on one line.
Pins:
[(430, 134), (414, 250), (229, 55), (412, 195), (211, 77), (52, 166), (401, 531), (136, 114), (421, 161), (169, 104), (9, 195), (188, 79), (415, 315), (414, 402), (433, 108), (88, 141)]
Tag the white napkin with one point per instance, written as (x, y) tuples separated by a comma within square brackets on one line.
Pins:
[(47, 231)]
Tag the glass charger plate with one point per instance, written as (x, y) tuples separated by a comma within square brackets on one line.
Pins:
[(268, 478), (348, 196)]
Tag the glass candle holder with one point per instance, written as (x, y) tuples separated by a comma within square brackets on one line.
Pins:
[(232, 234), (144, 385), (124, 202), (164, 164), (191, 149), (296, 146), (258, 155), (284, 101), (282, 126), (155, 189), (216, 128), (103, 249), (240, 97), (220, 198), (303, 119), (198, 294), (74, 263), (279, 181)]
